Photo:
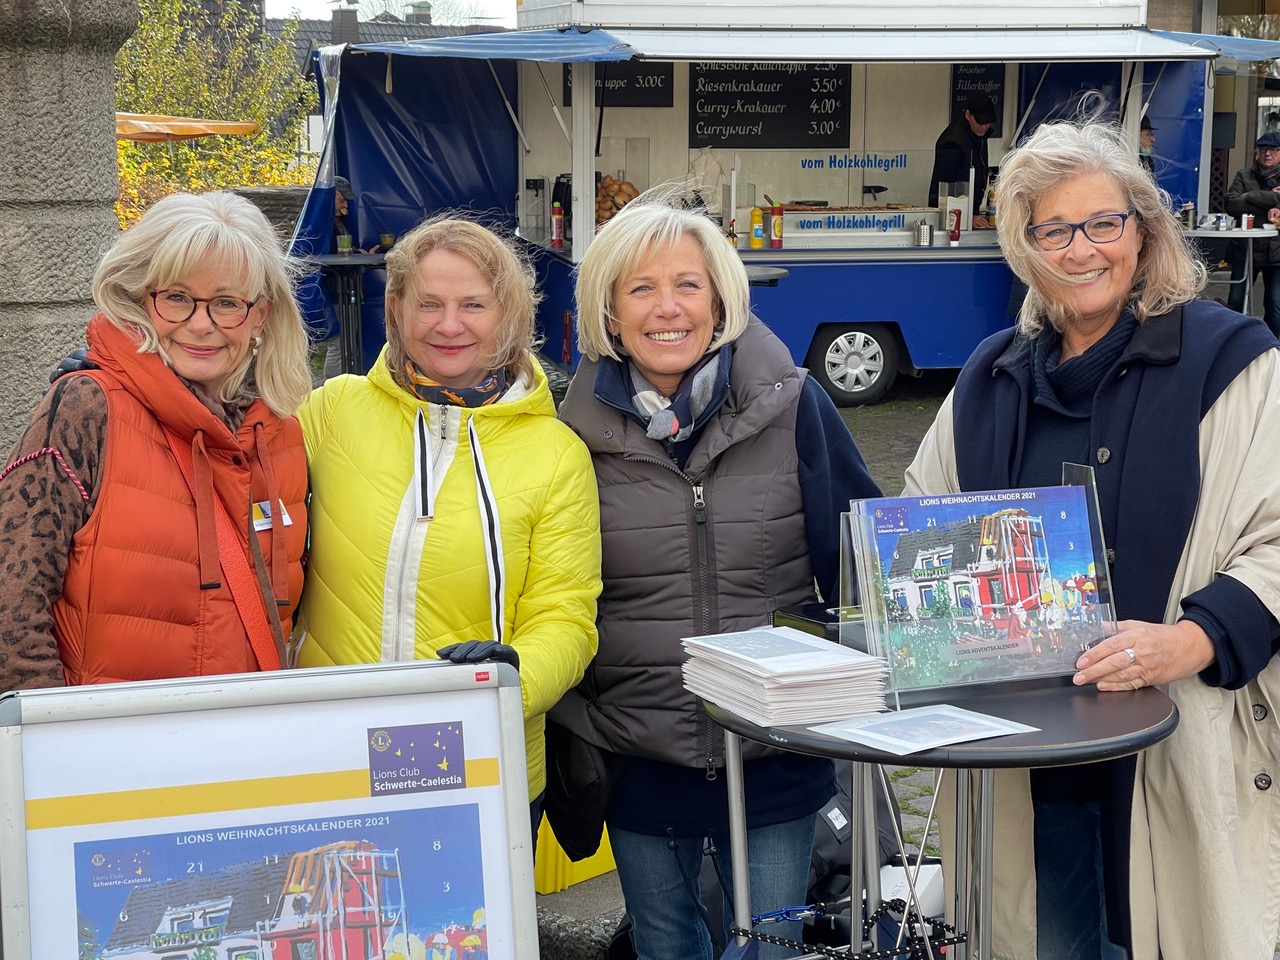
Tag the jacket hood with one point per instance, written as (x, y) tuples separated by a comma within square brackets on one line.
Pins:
[(216, 468), (155, 385)]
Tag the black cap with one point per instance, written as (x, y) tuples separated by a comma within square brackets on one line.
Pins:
[(1271, 139), (343, 186), (1146, 124), (981, 108)]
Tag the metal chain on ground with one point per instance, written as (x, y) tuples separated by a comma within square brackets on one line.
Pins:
[(913, 947)]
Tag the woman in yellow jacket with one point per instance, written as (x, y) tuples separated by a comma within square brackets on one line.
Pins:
[(448, 503)]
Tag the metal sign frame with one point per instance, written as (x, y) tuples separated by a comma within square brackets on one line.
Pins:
[(318, 761)]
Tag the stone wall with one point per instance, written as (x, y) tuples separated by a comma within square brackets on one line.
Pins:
[(57, 141), (282, 205)]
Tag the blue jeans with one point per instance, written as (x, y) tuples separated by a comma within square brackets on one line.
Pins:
[(1270, 294), (659, 877), (1071, 915)]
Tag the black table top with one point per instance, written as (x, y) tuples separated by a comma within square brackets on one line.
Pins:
[(1077, 725), (757, 273), (347, 259)]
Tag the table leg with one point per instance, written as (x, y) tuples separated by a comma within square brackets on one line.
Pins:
[(871, 842), (981, 930), (861, 813), (963, 864), (357, 321), (1248, 277), (345, 324), (738, 834)]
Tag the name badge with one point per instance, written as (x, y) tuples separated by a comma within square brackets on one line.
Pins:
[(262, 516)]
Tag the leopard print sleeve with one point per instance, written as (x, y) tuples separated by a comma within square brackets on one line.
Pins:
[(47, 491)]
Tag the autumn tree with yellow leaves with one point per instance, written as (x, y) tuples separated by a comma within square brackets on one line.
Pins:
[(211, 60)]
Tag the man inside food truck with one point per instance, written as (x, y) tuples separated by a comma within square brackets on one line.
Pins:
[(963, 144)]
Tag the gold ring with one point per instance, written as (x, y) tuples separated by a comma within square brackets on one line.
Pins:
[(1133, 657)]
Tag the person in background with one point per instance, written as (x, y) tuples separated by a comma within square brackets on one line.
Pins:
[(1172, 400), (342, 197), (723, 470), (1147, 143), (1256, 190), (963, 144), (115, 499), (452, 514)]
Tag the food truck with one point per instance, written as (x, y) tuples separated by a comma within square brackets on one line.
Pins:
[(816, 121)]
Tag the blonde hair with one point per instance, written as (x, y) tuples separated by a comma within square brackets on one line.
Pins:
[(1168, 273), (651, 223), (510, 276), (183, 233)]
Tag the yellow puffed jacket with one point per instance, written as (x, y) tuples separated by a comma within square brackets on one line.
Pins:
[(383, 584)]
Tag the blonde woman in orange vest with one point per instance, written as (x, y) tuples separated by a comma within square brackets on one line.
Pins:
[(152, 517)]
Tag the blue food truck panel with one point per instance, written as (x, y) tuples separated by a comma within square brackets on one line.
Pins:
[(940, 308)]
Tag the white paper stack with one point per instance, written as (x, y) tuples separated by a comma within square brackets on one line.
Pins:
[(776, 676)]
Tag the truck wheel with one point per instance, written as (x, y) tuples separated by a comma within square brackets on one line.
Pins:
[(855, 364)]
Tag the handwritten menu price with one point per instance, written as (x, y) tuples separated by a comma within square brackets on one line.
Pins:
[(769, 106), (629, 83)]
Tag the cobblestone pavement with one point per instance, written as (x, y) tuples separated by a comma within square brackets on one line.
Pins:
[(577, 923)]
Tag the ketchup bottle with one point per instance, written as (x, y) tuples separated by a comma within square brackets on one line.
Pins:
[(557, 226)]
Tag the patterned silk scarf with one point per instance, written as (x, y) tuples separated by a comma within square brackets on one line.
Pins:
[(485, 392), (672, 419)]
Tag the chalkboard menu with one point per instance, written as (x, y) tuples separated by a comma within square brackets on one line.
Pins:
[(968, 79), (769, 106), (629, 83)]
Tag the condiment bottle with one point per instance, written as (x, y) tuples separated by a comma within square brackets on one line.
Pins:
[(557, 226), (775, 226), (757, 228)]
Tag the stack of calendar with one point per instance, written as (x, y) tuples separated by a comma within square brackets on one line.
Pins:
[(776, 676)]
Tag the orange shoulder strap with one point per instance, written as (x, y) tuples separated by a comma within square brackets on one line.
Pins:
[(235, 567)]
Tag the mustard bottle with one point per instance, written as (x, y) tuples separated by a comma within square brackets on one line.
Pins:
[(757, 229)]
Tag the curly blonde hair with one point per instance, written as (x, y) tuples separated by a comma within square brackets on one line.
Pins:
[(1168, 272), (185, 232), (509, 274)]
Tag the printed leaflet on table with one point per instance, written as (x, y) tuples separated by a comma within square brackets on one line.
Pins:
[(921, 728)]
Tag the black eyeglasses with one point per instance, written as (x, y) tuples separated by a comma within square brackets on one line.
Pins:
[(178, 307), (1057, 235)]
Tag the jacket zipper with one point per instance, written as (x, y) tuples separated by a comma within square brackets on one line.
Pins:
[(702, 618), (402, 642), (700, 530)]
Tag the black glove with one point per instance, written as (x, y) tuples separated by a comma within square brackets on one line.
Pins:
[(76, 360), (477, 651)]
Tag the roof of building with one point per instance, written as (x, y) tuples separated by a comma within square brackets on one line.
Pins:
[(254, 888), (385, 28), (961, 536)]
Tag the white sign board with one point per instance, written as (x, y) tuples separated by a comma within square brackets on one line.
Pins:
[(356, 813)]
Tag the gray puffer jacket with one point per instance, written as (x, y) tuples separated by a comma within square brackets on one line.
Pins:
[(715, 547)]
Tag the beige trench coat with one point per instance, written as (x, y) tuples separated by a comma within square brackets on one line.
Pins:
[(1205, 834)]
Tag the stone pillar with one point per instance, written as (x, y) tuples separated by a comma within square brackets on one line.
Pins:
[(57, 153)]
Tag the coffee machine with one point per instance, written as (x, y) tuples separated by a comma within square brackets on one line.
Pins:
[(562, 193)]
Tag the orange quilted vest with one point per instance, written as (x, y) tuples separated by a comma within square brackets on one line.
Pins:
[(132, 606)]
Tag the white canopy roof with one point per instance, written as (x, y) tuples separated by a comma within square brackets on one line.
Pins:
[(869, 46)]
